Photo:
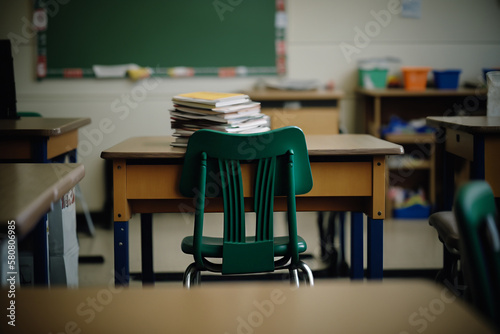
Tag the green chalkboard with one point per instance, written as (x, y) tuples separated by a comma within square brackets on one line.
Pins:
[(172, 37)]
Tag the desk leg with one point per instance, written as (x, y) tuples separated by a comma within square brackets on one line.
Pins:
[(448, 181), (375, 230), (39, 150), (148, 275), (356, 245), (122, 270), (41, 253), (477, 166), (72, 156)]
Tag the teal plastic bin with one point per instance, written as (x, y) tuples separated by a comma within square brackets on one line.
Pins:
[(373, 78)]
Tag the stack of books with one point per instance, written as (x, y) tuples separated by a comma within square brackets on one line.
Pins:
[(226, 112)]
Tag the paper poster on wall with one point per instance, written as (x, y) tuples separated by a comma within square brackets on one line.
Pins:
[(411, 8)]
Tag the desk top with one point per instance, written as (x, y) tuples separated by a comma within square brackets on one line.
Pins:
[(342, 307), (28, 190), (40, 126), (469, 124), (318, 145), (293, 95), (401, 92)]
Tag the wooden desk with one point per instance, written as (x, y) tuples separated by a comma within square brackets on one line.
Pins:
[(348, 175), (475, 139), (345, 307), (26, 193), (43, 140), (39, 139), (314, 111)]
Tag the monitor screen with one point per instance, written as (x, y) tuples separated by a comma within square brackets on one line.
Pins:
[(8, 109)]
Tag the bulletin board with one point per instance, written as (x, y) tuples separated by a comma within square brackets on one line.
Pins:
[(222, 38)]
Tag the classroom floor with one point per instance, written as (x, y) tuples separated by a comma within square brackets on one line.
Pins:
[(410, 246)]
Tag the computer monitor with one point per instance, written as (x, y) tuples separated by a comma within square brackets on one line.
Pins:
[(8, 108)]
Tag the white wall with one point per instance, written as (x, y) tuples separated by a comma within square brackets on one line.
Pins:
[(461, 34)]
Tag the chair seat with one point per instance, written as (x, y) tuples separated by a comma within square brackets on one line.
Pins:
[(212, 246), (446, 226)]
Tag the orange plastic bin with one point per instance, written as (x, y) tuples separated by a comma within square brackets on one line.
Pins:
[(415, 78)]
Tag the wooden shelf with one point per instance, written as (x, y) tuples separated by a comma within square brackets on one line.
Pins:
[(401, 92), (293, 95), (317, 111), (380, 105)]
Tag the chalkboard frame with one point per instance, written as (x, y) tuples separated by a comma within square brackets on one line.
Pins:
[(46, 12)]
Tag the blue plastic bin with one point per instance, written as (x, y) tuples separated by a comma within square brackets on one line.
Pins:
[(446, 79), (416, 211)]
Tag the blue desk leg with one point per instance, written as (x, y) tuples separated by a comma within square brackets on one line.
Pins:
[(122, 270), (477, 166), (41, 253), (72, 156), (39, 151), (448, 181), (148, 275), (375, 231), (357, 271)]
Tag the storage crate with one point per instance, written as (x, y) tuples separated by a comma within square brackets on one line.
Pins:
[(415, 78), (373, 78), (446, 79), (416, 211)]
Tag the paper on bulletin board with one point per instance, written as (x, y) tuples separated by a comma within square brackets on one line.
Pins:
[(411, 8)]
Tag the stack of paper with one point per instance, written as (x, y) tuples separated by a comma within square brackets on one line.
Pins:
[(226, 112)]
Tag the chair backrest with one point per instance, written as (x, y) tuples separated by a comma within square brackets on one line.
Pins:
[(213, 168), (476, 216)]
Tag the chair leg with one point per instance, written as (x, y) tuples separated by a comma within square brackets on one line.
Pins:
[(449, 273), (308, 273), (197, 278), (191, 275), (294, 276)]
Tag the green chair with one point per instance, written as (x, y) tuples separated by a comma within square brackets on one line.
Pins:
[(279, 164), (28, 114), (476, 217)]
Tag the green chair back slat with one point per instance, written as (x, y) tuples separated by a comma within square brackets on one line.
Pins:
[(264, 199), (200, 206), (476, 216), (234, 208), (292, 217)]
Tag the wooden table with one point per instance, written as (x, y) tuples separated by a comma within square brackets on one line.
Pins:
[(27, 192), (39, 139), (348, 175), (43, 140), (475, 139), (314, 111), (408, 306)]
